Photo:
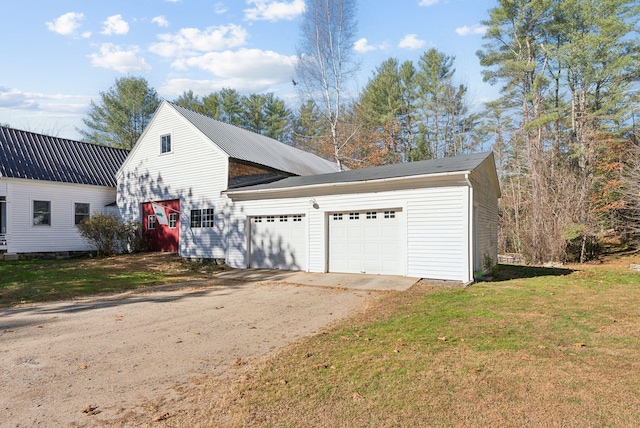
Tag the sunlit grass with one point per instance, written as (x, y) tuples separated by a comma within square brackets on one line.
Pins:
[(30, 281)]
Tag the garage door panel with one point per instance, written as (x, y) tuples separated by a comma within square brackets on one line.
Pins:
[(278, 242), (365, 242)]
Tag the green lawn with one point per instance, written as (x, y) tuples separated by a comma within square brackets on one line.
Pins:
[(549, 348), (35, 281)]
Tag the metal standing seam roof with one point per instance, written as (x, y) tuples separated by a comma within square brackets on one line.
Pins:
[(40, 157), (248, 146), (454, 164)]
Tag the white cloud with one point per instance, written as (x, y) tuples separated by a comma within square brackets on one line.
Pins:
[(473, 30), (189, 41), (272, 10), (161, 21), (66, 24), (244, 65), (115, 25), (428, 2), (12, 98), (363, 46), (411, 41), (116, 58), (86, 34), (220, 8)]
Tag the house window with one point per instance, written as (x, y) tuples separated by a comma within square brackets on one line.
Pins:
[(173, 220), (80, 212), (165, 142), (389, 214), (196, 218), (202, 218), (371, 215), (42, 213), (354, 216), (207, 217), (151, 222)]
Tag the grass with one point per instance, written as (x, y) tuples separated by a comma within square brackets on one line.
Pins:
[(561, 349), (33, 281)]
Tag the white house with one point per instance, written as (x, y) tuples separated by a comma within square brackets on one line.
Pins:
[(47, 186), (227, 193)]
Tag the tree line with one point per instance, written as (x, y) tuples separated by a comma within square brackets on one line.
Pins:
[(564, 129)]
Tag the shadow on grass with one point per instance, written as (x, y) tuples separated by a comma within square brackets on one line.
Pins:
[(504, 272)]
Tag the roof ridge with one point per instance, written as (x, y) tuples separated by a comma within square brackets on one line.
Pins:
[(69, 140)]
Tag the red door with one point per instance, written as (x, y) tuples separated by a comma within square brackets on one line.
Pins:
[(162, 237)]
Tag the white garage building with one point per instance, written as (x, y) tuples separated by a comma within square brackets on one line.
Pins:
[(258, 203)]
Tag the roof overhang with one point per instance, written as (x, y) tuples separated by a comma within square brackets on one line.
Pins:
[(346, 187)]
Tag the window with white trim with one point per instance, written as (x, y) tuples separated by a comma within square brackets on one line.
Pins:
[(165, 143), (208, 219), (389, 214), (202, 218), (371, 215), (80, 212), (283, 218), (151, 221), (354, 216), (42, 213), (297, 217), (173, 220), (257, 219), (271, 219), (337, 216)]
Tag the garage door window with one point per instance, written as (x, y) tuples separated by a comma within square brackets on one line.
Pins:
[(389, 214), (337, 216), (372, 215), (297, 217), (354, 216)]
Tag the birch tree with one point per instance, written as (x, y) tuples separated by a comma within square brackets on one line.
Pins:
[(325, 62)]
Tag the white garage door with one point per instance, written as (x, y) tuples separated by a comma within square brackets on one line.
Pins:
[(278, 242), (365, 242)]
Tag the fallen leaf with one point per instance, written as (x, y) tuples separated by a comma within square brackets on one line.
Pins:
[(344, 338), (284, 382), (239, 362), (40, 326), (118, 318), (356, 334), (253, 327), (474, 371), (542, 347), (442, 338), (84, 367), (332, 367), (525, 358), (357, 396), (161, 417), (579, 345), (8, 331), (90, 410), (321, 366), (396, 351), (219, 307)]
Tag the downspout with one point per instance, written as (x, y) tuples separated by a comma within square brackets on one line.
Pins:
[(471, 232)]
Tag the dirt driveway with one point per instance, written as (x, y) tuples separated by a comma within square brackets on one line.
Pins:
[(112, 356)]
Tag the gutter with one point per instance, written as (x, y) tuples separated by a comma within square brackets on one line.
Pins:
[(344, 183), (471, 231)]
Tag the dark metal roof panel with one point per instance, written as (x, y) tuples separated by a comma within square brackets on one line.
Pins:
[(40, 157), (454, 164), (248, 146)]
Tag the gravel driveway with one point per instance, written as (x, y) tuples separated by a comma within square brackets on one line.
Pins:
[(110, 356)]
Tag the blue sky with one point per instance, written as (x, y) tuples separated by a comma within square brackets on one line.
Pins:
[(58, 55)]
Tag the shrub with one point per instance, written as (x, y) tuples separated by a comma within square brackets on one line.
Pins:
[(110, 234)]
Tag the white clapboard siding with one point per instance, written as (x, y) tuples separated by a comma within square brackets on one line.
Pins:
[(437, 233), (62, 234), (195, 172), (485, 201)]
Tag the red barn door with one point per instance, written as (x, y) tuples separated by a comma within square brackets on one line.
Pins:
[(162, 237)]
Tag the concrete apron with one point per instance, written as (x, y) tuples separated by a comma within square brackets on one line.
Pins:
[(353, 281)]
